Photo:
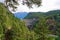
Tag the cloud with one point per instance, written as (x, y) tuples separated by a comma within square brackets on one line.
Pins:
[(46, 6)]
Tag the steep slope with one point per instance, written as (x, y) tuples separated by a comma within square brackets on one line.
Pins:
[(11, 28)]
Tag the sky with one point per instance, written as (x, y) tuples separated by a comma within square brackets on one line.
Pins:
[(46, 5), (1, 0)]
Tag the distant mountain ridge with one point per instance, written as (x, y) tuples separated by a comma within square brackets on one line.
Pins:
[(39, 14), (20, 15)]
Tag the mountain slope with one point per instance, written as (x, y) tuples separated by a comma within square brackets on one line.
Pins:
[(51, 17), (39, 14), (34, 14), (11, 28)]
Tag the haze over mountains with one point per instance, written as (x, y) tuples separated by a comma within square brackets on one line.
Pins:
[(20, 15)]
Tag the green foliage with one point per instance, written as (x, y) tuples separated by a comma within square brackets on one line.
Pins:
[(41, 14), (1, 33), (11, 28), (19, 31), (41, 29), (41, 26), (34, 14)]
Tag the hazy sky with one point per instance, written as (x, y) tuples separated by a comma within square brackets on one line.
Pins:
[(1, 0), (46, 6)]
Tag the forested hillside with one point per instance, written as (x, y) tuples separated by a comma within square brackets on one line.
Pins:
[(46, 28), (34, 14), (39, 14), (48, 21), (11, 28)]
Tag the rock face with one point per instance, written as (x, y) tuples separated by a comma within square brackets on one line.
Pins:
[(52, 25), (30, 22)]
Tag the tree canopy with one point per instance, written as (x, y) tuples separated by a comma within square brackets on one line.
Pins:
[(29, 3)]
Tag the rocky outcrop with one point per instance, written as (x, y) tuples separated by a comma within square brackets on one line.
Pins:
[(30, 22)]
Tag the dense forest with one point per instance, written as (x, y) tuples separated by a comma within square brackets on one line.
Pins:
[(48, 21), (12, 28), (46, 28)]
